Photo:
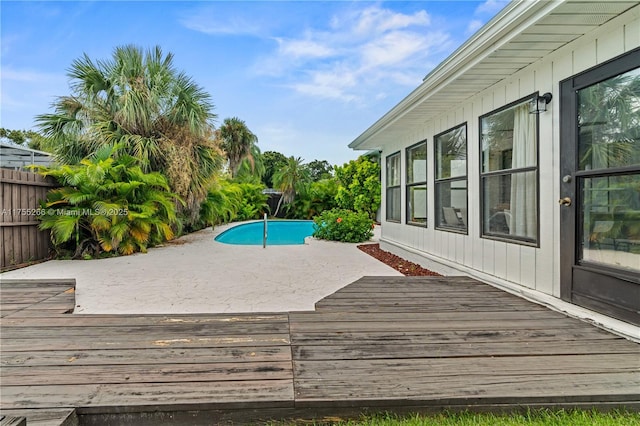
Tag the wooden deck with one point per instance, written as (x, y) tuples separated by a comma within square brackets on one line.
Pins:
[(381, 343)]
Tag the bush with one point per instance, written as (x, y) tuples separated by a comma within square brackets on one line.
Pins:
[(107, 205), (359, 188), (343, 225), (230, 201), (318, 197), (221, 204), (253, 204)]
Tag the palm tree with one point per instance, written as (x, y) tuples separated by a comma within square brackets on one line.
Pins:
[(252, 169), (609, 122), (292, 178), (273, 161), (138, 100), (238, 143)]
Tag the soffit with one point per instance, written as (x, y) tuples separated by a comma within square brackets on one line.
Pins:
[(526, 32)]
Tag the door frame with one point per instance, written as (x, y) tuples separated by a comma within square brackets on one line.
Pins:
[(629, 282)]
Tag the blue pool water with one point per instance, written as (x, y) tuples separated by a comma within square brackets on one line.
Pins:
[(279, 232)]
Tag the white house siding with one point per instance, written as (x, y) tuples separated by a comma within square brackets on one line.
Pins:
[(512, 265)]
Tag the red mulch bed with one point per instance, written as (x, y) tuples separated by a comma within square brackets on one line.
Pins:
[(399, 264)]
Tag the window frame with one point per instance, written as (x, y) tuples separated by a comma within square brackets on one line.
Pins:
[(510, 172), (414, 184), (438, 181), (389, 188)]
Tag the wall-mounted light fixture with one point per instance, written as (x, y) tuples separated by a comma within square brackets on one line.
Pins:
[(539, 103)]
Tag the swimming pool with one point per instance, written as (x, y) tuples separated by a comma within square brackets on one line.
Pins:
[(279, 232)]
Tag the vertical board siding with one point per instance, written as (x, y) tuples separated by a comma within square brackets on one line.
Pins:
[(528, 265), (488, 256), (500, 254), (610, 45), (632, 33), (22, 241), (584, 57), (451, 241), (532, 267), (548, 168), (461, 249)]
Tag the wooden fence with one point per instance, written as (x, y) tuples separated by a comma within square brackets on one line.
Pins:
[(22, 241)]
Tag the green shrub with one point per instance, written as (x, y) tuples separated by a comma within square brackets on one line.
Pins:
[(221, 204), (343, 225), (318, 197), (107, 205), (228, 201), (253, 203), (359, 187)]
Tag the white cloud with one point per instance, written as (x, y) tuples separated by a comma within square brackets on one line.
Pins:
[(25, 75), (491, 7), (474, 26), (9, 101), (304, 49), (8, 41), (211, 21), (392, 48), (279, 136), (349, 57), (329, 84), (277, 131), (24, 91), (236, 27), (483, 13), (376, 20), (359, 51)]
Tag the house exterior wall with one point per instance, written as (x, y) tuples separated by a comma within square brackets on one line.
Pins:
[(511, 265)]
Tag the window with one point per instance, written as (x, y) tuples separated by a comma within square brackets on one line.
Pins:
[(451, 179), (393, 188), (509, 173), (608, 178), (417, 184)]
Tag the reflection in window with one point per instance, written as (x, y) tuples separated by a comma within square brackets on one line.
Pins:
[(610, 221), (609, 122), (451, 178), (393, 188), (509, 173), (417, 184)]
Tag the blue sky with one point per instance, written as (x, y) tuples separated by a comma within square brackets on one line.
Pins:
[(307, 77)]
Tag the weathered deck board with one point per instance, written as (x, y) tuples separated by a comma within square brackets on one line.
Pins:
[(155, 356), (59, 417), (388, 390), (390, 341), (85, 321), (164, 395), (51, 360), (382, 342), (35, 298)]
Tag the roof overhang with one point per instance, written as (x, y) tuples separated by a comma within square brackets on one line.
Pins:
[(521, 34)]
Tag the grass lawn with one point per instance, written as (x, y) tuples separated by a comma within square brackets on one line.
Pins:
[(531, 418)]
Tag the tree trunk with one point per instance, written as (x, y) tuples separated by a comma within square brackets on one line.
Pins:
[(279, 204)]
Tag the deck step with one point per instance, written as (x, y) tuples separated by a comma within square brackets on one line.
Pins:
[(45, 417)]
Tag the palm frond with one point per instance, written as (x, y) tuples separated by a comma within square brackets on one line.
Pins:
[(63, 227)]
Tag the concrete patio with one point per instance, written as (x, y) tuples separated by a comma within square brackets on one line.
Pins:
[(195, 274)]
